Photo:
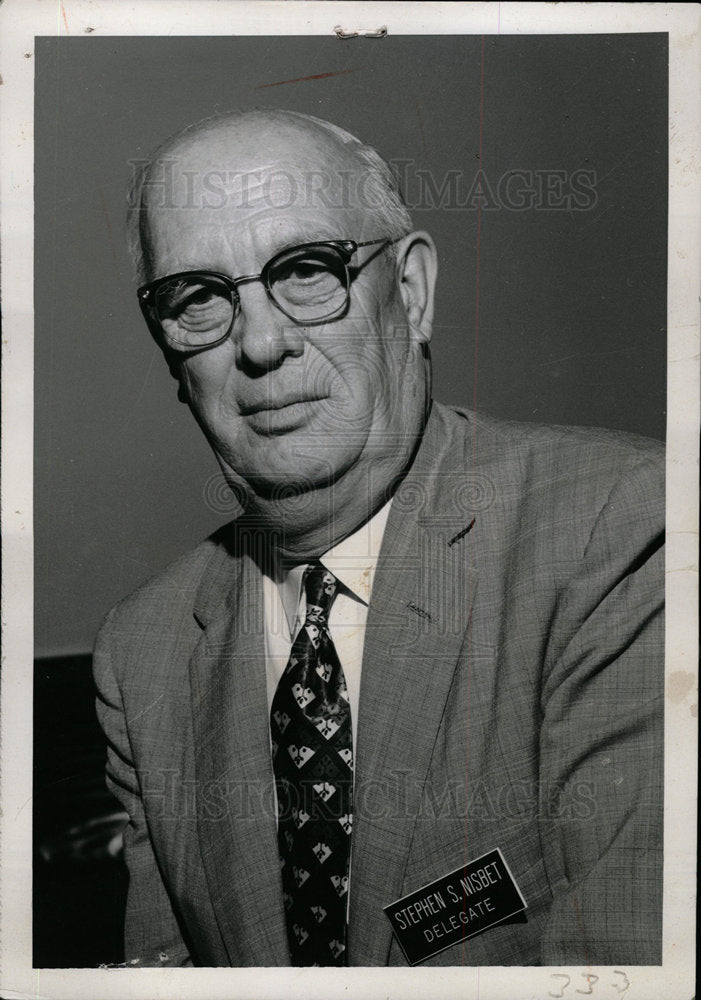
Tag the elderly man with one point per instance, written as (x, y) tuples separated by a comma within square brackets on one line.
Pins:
[(407, 706)]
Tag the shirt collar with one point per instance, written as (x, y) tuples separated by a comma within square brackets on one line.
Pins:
[(353, 562)]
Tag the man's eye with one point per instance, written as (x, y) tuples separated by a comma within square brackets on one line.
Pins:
[(304, 271), (176, 297), (199, 297), (306, 282), (191, 309), (184, 298)]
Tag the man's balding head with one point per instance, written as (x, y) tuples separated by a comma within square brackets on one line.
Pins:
[(200, 165)]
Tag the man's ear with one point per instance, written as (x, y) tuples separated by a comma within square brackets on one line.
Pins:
[(417, 267)]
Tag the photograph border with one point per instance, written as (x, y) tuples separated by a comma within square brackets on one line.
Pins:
[(20, 23)]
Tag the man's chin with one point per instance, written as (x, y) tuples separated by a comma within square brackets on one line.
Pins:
[(282, 480)]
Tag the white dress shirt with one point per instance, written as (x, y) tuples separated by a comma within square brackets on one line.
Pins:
[(352, 562)]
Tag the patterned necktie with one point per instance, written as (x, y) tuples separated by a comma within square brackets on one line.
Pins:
[(312, 745)]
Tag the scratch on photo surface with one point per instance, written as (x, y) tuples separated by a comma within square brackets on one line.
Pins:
[(581, 355), (105, 213), (139, 395), (461, 534), (302, 79), (147, 708)]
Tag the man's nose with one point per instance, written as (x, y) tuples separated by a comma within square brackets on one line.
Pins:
[(264, 336)]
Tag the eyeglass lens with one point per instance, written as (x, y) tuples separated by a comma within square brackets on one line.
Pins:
[(308, 284), (194, 312)]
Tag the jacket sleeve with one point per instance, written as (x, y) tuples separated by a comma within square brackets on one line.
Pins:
[(152, 934), (602, 740)]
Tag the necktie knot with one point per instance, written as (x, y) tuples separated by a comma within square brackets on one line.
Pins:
[(320, 586)]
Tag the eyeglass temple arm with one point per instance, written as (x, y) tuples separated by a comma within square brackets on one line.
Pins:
[(383, 239)]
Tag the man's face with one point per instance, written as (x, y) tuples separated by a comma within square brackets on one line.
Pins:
[(281, 404)]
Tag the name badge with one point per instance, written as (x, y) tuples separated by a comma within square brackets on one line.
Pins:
[(457, 906)]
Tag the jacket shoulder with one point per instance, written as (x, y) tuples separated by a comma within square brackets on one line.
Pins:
[(535, 475), (553, 453), (536, 438), (170, 594)]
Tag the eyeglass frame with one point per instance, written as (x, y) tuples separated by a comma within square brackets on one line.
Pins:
[(346, 249)]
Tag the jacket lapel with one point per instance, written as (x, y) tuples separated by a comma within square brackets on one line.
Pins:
[(234, 786), (419, 613)]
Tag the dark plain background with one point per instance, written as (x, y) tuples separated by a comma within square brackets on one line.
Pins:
[(572, 312)]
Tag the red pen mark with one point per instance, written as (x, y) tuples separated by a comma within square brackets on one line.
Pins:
[(421, 127), (580, 925), (65, 19), (479, 230), (474, 438), (301, 79)]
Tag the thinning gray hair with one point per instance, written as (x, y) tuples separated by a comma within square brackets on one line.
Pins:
[(384, 200)]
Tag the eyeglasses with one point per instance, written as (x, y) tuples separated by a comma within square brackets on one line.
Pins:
[(309, 284)]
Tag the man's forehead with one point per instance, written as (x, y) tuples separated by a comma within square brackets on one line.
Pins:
[(270, 206), (249, 156), (246, 227), (252, 186), (264, 186), (217, 237)]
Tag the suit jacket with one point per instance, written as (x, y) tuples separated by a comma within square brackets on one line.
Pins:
[(511, 697)]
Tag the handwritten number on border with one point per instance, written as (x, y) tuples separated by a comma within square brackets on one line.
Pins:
[(592, 980), (559, 975), (617, 972)]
